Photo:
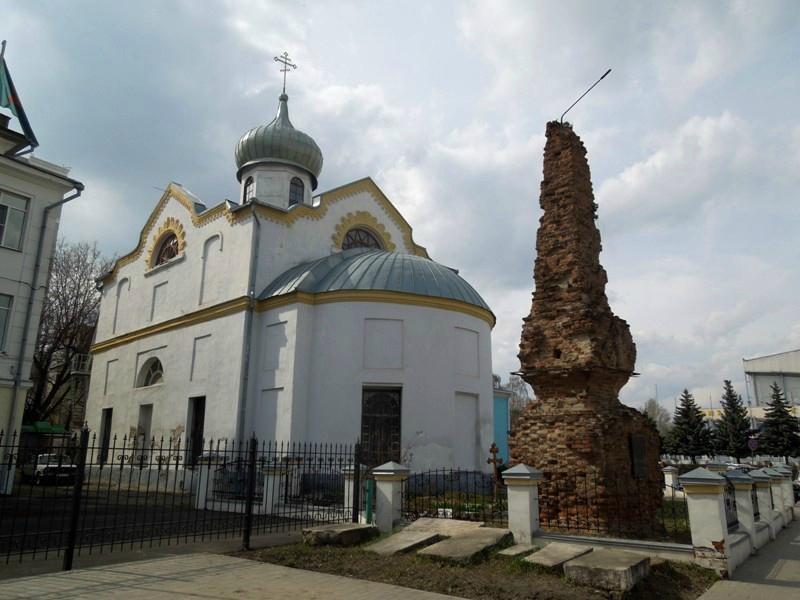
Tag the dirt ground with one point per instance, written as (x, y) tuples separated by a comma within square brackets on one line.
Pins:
[(494, 579)]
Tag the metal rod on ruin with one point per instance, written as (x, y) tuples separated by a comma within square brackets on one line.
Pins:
[(582, 95)]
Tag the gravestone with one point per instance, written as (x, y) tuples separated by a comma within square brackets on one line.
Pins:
[(599, 457)]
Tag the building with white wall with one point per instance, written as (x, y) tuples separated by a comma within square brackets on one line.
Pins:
[(760, 373), (292, 317), (32, 192)]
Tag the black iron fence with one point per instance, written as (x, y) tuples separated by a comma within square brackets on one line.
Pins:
[(586, 504), (455, 494), (86, 496)]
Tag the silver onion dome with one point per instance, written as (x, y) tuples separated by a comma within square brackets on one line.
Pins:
[(279, 142)]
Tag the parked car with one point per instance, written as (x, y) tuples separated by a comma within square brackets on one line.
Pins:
[(49, 468)]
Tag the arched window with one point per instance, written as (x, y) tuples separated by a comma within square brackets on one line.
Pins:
[(248, 189), (296, 191), (151, 373), (360, 238), (167, 250)]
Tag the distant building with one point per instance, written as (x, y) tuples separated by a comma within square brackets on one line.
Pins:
[(760, 373), (501, 420), (32, 192)]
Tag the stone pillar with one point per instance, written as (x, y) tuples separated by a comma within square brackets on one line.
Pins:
[(274, 488), (349, 473), (706, 502), (765, 507), (788, 490), (523, 502), (389, 479), (716, 467), (745, 512), (776, 488), (670, 480)]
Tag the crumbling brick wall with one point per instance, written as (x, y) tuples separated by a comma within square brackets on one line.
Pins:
[(577, 355)]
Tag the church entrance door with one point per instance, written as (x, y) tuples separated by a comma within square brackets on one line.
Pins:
[(197, 414), (380, 426)]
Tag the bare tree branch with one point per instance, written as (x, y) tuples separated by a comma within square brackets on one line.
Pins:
[(66, 329)]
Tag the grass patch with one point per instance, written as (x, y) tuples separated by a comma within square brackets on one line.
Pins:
[(496, 578)]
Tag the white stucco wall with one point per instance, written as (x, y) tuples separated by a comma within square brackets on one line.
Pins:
[(177, 286), (198, 360), (16, 272), (325, 359)]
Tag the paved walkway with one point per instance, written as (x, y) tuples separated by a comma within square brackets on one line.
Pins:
[(202, 576), (773, 573)]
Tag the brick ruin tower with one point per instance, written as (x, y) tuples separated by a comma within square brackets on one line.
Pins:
[(599, 457)]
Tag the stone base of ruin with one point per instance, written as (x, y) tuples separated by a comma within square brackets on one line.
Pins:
[(585, 455)]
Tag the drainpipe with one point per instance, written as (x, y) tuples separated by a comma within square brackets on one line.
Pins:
[(248, 327), (29, 308)]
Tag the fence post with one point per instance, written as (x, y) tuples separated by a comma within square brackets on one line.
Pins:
[(77, 492), (523, 502), (389, 481), (250, 493), (788, 491), (765, 508), (353, 487), (356, 489), (776, 488), (705, 499), (745, 511)]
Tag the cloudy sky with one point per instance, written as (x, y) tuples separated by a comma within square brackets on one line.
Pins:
[(693, 140)]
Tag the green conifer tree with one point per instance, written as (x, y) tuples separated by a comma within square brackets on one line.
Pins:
[(731, 431), (689, 434), (780, 434)]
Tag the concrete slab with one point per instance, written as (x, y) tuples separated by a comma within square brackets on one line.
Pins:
[(614, 570), (556, 554), (444, 527), (339, 534), (468, 546), (517, 550), (404, 541)]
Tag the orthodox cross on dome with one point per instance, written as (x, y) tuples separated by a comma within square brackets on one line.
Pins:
[(287, 64)]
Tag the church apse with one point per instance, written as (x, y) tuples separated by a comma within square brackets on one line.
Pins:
[(577, 355)]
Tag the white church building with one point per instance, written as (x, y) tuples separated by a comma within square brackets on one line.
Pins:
[(292, 317)]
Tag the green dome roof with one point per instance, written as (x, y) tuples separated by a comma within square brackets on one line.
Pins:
[(370, 269), (279, 142)]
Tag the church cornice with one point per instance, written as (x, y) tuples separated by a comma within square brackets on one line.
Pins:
[(209, 313), (241, 304), (383, 296)]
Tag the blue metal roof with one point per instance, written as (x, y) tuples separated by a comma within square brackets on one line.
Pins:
[(370, 269)]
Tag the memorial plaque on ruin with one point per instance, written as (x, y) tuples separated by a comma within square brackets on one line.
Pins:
[(599, 457)]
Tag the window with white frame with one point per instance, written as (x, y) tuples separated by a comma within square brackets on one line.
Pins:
[(12, 219), (5, 318)]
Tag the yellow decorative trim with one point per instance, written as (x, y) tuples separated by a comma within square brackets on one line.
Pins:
[(170, 225), (329, 198), (761, 484), (364, 220), (743, 486), (703, 488), (382, 477), (175, 192), (277, 215), (521, 482), (239, 304), (200, 316), (377, 296)]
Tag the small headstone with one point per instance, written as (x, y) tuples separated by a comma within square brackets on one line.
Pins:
[(613, 570)]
